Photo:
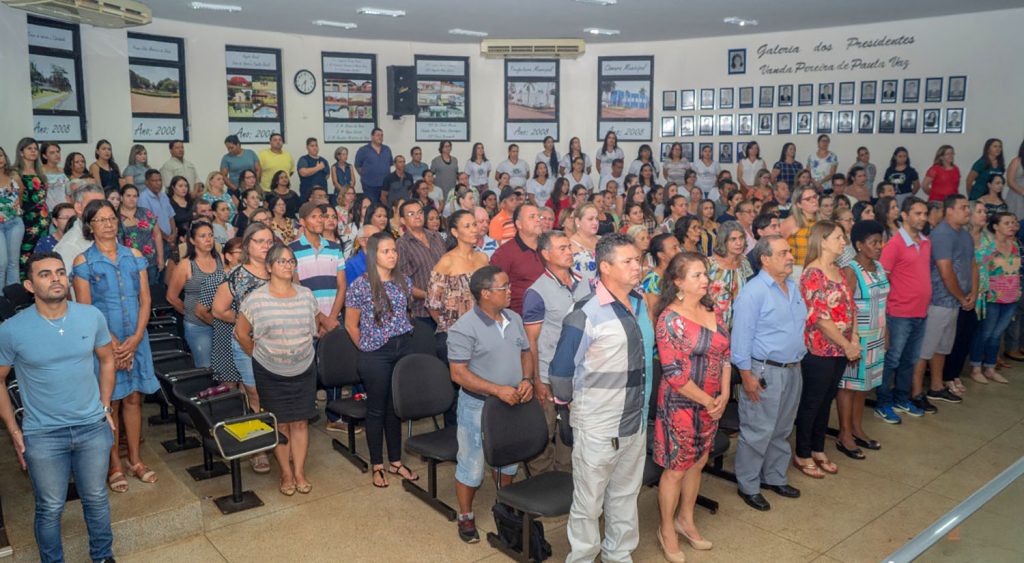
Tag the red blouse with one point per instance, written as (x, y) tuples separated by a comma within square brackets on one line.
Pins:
[(826, 300)]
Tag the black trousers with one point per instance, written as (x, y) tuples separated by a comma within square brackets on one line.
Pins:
[(821, 376), (375, 369), (966, 325)]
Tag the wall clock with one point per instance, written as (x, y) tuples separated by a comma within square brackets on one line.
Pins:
[(305, 82)]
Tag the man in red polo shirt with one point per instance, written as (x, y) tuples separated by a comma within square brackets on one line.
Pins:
[(518, 258)]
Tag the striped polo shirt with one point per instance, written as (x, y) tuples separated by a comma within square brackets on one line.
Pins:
[(318, 269)]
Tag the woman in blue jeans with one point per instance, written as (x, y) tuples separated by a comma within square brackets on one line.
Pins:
[(202, 262), (999, 291), (377, 318), (12, 227)]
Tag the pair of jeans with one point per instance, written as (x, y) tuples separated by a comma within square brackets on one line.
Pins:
[(470, 464), (51, 457), (1015, 331), (966, 325), (985, 344), (375, 370), (905, 336), (243, 363), (200, 342), (821, 376), (11, 233)]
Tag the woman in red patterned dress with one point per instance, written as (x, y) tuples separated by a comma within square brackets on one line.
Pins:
[(693, 345), (830, 335)]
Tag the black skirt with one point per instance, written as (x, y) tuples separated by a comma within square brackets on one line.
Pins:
[(291, 399)]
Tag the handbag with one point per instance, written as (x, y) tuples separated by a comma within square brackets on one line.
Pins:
[(509, 524)]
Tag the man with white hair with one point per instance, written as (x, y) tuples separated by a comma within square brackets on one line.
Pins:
[(484, 242), (73, 242)]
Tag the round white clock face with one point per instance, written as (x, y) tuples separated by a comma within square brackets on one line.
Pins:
[(305, 82)]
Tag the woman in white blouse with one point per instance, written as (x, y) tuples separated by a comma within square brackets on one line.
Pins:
[(643, 156), (674, 169), (575, 149), (539, 187), (609, 151), (707, 170), (478, 167), (749, 166)]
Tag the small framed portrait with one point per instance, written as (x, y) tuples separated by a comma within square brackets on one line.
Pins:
[(933, 90), (666, 149), (737, 61), (766, 97), (887, 121), (668, 126), (725, 153), (687, 100), (824, 122), (931, 120), (707, 98), (784, 123), (846, 93), (889, 91), (669, 100), (844, 121), (707, 126), (957, 89), (745, 125), (686, 126), (908, 121), (911, 90), (741, 149), (805, 95), (785, 95), (764, 123), (954, 120), (803, 123), (725, 124), (866, 122), (826, 93), (688, 151), (868, 93), (702, 146), (725, 98), (747, 97)]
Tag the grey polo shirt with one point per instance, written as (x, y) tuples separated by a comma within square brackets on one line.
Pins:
[(492, 353), (548, 301)]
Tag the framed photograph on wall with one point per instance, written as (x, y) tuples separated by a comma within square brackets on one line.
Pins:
[(911, 90), (784, 123), (741, 149), (725, 153), (706, 126), (737, 61), (846, 93), (443, 98), (931, 120), (868, 93), (350, 97), (55, 82), (764, 123), (687, 151), (866, 122), (687, 100), (889, 91), (707, 98), (805, 95), (254, 93), (702, 146), (745, 124), (766, 97), (824, 122), (666, 149), (785, 95), (887, 121), (957, 89), (725, 98), (746, 97), (668, 100), (954, 120), (908, 121), (156, 74), (826, 93), (803, 123), (668, 126), (625, 97), (844, 121), (933, 90), (686, 126), (725, 124)]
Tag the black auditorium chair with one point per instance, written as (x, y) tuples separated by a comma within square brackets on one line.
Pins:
[(163, 325), (421, 386), (337, 358), (171, 368), (191, 387), (511, 435), (423, 338), (163, 342), (210, 416)]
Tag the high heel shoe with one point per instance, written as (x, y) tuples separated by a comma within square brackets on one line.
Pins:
[(677, 557), (699, 545)]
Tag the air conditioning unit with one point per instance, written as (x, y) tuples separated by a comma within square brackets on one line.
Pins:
[(532, 48), (98, 13)]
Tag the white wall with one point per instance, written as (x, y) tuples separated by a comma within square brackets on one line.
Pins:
[(982, 46)]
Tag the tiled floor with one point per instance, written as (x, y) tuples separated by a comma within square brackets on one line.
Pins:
[(872, 507)]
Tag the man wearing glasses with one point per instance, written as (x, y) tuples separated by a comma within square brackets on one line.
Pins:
[(73, 242), (418, 253)]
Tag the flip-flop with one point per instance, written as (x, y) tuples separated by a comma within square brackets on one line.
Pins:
[(397, 470), (811, 470), (380, 472), (827, 466)]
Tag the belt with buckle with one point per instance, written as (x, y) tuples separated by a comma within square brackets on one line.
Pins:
[(777, 364)]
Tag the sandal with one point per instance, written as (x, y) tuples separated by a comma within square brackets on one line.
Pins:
[(398, 470), (144, 473), (304, 489), (288, 490), (260, 464), (826, 466), (379, 472), (811, 470), (117, 483)]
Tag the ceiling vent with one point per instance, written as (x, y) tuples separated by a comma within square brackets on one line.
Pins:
[(98, 13), (532, 48)]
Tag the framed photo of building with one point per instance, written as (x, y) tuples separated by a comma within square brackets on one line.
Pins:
[(844, 121), (442, 98), (784, 123), (156, 75), (911, 90), (908, 121), (847, 93), (931, 120), (55, 81), (254, 93), (624, 90), (687, 100), (350, 96), (805, 95), (803, 123), (887, 121), (866, 122)]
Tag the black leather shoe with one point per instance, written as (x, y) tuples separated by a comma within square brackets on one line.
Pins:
[(783, 490), (756, 501)]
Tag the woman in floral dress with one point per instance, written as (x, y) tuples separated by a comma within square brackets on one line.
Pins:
[(139, 231), (33, 198), (729, 268)]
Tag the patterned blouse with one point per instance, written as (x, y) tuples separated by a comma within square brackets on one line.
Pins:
[(821, 167), (999, 274), (284, 231), (826, 300), (651, 284), (450, 297), (726, 284), (584, 263), (373, 334), (140, 236), (9, 208)]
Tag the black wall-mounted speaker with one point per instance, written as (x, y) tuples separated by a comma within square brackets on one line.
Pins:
[(401, 91)]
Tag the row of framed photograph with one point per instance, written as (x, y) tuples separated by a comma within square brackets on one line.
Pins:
[(726, 155), (807, 122), (783, 95)]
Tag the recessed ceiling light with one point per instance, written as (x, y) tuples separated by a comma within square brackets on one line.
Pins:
[(740, 21), (600, 31), (329, 23), (468, 32), (380, 12), (599, 2), (215, 7)]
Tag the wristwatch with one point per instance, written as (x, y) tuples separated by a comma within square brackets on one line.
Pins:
[(107, 409)]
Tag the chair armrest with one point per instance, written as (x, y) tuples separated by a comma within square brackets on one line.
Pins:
[(232, 394), (183, 374), (167, 355), (267, 418)]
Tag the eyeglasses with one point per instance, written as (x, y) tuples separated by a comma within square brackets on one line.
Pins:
[(502, 288), (809, 198), (263, 242), (285, 262), (414, 213), (105, 221)]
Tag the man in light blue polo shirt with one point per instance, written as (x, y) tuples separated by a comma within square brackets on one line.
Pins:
[(373, 162), (155, 199), (67, 426)]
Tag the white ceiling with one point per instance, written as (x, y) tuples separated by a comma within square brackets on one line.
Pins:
[(638, 20)]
